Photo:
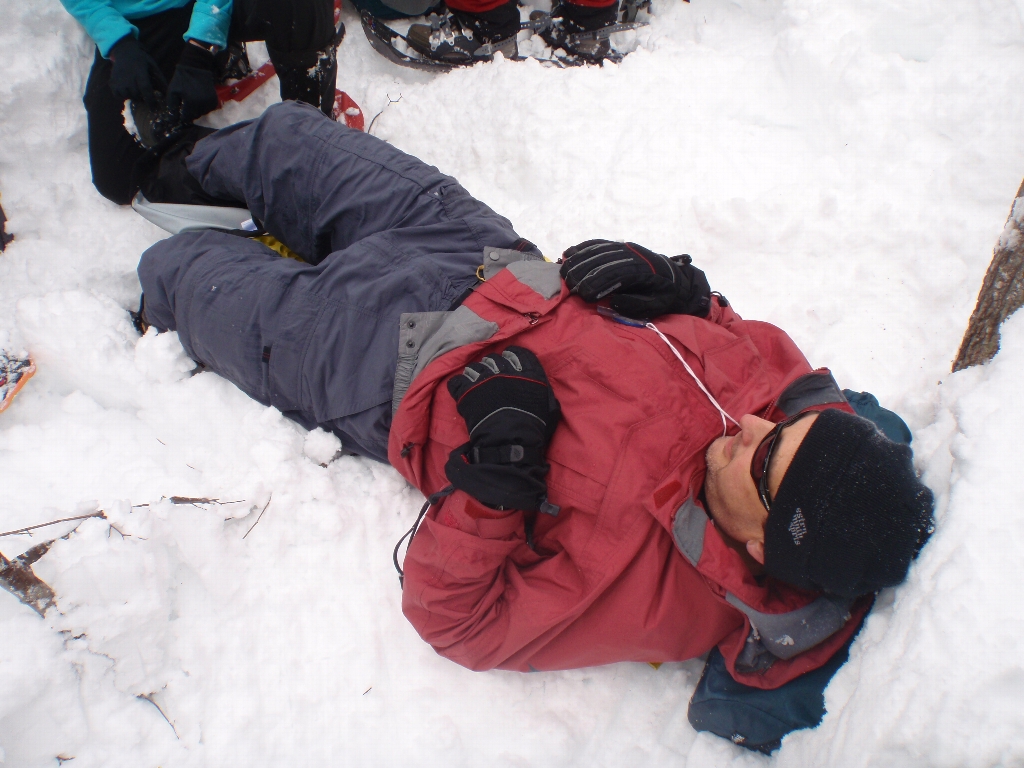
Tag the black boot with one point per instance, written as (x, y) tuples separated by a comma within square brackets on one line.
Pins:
[(570, 20), (458, 37), (139, 318), (309, 76), (233, 62), (162, 177)]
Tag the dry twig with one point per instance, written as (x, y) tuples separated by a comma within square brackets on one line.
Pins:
[(260, 517), (98, 513), (149, 697), (390, 102)]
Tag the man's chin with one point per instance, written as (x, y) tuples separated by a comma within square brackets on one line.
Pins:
[(714, 457)]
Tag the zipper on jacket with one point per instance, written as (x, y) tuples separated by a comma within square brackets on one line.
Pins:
[(533, 317)]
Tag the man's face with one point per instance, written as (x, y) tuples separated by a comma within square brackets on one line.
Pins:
[(730, 490)]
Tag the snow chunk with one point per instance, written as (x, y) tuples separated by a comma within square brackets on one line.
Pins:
[(322, 447)]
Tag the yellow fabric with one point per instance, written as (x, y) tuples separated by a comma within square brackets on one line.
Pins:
[(272, 242)]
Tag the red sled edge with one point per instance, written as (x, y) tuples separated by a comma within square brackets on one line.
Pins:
[(243, 88), (346, 109)]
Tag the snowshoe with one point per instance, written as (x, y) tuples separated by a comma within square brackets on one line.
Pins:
[(14, 373), (346, 110), (570, 49), (580, 35), (394, 46), (460, 38), (241, 89), (630, 8)]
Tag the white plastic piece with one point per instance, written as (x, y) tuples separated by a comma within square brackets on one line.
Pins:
[(175, 218)]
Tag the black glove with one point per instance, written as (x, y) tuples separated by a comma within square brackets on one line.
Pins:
[(134, 72), (193, 89), (641, 283), (511, 413)]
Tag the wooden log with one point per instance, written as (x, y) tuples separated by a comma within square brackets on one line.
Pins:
[(1002, 292)]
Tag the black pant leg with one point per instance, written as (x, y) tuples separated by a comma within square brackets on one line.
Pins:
[(300, 39), (287, 26), (113, 151)]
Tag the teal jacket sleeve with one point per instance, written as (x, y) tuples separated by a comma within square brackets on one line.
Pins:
[(106, 20), (210, 22), (104, 24)]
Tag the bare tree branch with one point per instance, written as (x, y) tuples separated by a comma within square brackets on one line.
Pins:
[(53, 522)]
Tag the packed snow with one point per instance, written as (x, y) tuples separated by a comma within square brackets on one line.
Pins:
[(841, 168)]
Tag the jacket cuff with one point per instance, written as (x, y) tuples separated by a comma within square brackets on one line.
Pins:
[(210, 22), (109, 30)]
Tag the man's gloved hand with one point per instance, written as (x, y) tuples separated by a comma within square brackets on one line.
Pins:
[(511, 413), (193, 89), (134, 72), (641, 283)]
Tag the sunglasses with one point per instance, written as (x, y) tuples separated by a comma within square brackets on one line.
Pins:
[(763, 457)]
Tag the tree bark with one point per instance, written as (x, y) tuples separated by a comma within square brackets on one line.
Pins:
[(1002, 292)]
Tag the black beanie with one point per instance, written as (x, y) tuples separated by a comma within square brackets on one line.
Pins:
[(850, 514)]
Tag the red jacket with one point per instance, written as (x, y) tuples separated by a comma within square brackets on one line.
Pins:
[(609, 579)]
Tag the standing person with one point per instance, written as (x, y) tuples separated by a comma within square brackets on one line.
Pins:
[(618, 466), (148, 49)]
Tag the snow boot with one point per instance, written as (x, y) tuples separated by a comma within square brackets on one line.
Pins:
[(139, 318), (162, 177), (233, 63), (576, 29), (310, 76), (458, 37), (153, 126)]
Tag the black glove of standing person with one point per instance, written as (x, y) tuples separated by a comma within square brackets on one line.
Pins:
[(511, 413), (133, 72), (193, 89), (641, 283)]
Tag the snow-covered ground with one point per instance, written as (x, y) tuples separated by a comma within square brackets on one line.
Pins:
[(841, 168)]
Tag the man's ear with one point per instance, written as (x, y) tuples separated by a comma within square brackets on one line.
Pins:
[(755, 549)]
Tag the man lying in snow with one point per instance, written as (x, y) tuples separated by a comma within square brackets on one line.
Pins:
[(604, 489)]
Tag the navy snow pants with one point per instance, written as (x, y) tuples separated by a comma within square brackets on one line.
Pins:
[(382, 234)]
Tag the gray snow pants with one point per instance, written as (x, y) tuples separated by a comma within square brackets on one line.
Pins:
[(383, 233)]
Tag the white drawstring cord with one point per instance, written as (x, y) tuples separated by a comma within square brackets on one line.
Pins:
[(689, 370)]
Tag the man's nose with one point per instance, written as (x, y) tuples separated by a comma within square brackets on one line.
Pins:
[(752, 428)]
